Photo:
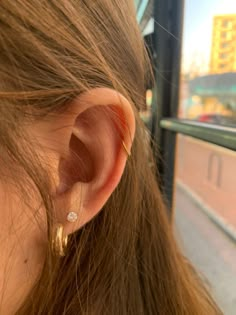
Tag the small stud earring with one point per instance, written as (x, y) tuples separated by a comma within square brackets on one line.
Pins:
[(72, 216)]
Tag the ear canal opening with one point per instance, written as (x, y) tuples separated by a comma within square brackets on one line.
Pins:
[(82, 158), (78, 167)]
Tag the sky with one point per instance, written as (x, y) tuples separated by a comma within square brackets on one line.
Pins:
[(198, 23)]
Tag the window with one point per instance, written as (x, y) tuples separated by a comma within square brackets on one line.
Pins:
[(223, 56), (225, 23), (205, 178), (205, 201), (223, 34), (224, 45), (209, 74), (222, 65), (202, 169)]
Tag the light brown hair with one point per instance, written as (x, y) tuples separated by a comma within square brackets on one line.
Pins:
[(125, 261)]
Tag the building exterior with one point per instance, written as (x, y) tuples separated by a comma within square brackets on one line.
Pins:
[(223, 51)]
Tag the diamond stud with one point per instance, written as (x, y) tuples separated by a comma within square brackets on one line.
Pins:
[(72, 216)]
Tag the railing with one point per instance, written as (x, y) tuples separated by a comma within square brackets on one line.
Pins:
[(220, 135)]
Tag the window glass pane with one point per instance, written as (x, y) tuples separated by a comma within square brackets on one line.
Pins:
[(205, 214), (205, 198), (209, 171), (208, 75)]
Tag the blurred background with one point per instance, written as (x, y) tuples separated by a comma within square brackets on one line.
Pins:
[(190, 114)]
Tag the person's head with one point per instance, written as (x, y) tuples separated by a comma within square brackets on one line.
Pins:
[(72, 79)]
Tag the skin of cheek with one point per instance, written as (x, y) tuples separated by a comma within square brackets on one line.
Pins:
[(23, 236)]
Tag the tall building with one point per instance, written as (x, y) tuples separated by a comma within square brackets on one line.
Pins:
[(223, 51)]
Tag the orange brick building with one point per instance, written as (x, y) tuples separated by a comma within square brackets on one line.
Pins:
[(223, 51)]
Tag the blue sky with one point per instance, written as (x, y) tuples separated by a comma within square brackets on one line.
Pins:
[(198, 27)]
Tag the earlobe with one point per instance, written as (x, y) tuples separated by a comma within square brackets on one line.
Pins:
[(102, 129)]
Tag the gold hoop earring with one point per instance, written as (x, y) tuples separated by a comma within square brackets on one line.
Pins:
[(59, 241), (125, 147)]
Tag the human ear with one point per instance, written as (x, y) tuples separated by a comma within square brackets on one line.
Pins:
[(95, 127)]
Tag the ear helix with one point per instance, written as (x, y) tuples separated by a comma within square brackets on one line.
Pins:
[(127, 151)]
